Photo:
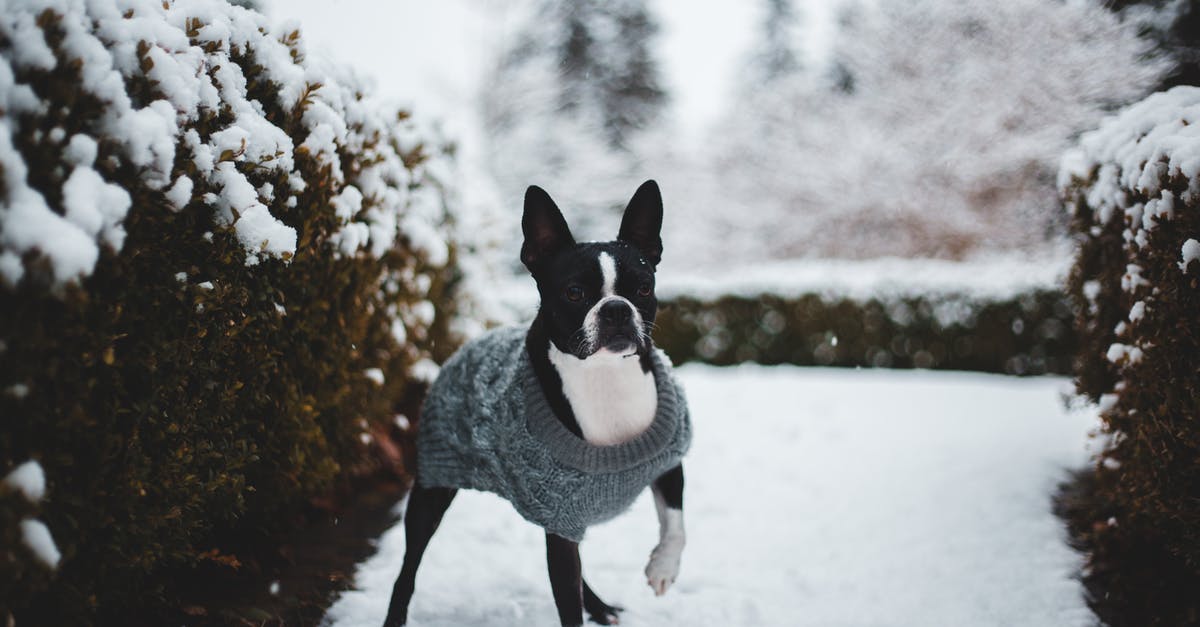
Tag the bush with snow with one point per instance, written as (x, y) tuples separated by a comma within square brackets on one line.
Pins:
[(1132, 188), (224, 268), (1005, 316), (938, 136)]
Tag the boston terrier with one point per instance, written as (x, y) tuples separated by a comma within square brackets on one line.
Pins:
[(569, 418)]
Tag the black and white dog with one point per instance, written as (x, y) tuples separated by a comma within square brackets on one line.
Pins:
[(591, 351)]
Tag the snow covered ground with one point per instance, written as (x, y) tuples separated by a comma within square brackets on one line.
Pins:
[(814, 497)]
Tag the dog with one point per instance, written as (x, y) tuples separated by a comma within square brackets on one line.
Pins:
[(570, 418)]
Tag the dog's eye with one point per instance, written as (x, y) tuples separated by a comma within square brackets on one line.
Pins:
[(644, 289), (574, 293)]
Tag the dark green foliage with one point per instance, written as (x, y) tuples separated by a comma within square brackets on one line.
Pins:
[(1026, 335), (1143, 511), (23, 574), (179, 425), (1130, 582)]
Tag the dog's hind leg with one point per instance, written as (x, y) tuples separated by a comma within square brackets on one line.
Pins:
[(566, 578), (599, 611), (426, 506)]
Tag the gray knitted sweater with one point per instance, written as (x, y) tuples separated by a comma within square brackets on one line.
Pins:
[(486, 425)]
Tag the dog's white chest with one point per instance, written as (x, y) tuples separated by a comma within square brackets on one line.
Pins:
[(613, 400)]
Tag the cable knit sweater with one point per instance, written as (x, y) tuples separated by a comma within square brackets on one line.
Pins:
[(486, 425)]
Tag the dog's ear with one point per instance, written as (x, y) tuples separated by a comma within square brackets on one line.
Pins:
[(642, 222), (545, 228)]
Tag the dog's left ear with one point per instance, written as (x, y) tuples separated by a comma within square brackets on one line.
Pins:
[(642, 222)]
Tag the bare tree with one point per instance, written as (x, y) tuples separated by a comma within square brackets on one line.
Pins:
[(570, 100), (775, 56), (947, 142)]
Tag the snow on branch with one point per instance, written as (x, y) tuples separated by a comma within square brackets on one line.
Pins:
[(193, 105)]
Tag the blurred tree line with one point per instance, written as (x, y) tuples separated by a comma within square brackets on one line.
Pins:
[(942, 145)]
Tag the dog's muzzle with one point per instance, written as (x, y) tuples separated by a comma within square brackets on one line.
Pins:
[(617, 325)]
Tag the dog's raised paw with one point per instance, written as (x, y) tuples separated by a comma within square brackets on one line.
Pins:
[(664, 566)]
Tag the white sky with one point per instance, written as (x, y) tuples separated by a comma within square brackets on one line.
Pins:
[(431, 55)]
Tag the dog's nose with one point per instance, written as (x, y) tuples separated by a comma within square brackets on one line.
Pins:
[(615, 312)]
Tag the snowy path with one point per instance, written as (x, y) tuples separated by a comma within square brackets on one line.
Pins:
[(814, 497)]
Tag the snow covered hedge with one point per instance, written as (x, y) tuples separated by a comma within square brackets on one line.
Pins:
[(223, 273), (1005, 316), (1133, 191)]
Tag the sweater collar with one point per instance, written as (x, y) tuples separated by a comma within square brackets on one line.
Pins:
[(574, 451)]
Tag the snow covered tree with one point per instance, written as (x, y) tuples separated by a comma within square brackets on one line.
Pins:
[(570, 101), (606, 63), (947, 143), (775, 56)]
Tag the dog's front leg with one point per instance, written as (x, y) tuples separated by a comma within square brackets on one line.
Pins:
[(664, 559), (566, 578)]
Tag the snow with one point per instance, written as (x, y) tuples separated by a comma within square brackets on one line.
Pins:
[(96, 206), (17, 390), (375, 375), (81, 150), (1137, 311), (180, 193), (257, 230), (1190, 252), (28, 224), (28, 42), (997, 278), (1119, 353), (11, 269), (1138, 149), (814, 497), (37, 537), (29, 479), (148, 136), (424, 370)]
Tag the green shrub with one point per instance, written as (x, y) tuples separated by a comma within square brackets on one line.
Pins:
[(1030, 334), (1133, 190), (208, 245)]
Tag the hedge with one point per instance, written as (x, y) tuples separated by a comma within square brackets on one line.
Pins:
[(222, 275), (1133, 191), (807, 316)]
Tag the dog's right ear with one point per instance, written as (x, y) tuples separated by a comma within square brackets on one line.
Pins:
[(545, 229), (642, 222)]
